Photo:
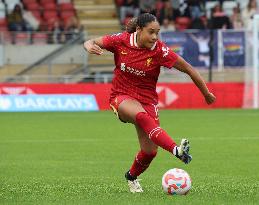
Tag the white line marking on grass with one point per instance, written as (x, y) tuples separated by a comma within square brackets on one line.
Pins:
[(65, 140), (224, 138), (116, 140)]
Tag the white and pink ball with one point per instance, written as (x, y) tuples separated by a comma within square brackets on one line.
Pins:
[(176, 182)]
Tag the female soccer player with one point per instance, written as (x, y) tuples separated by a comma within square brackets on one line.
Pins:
[(138, 56)]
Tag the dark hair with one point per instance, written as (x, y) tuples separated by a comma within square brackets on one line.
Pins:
[(141, 21)]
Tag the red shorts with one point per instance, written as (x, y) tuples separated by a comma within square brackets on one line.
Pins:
[(151, 109)]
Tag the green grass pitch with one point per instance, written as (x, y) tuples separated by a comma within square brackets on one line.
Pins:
[(81, 158)]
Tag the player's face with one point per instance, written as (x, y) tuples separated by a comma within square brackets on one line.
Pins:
[(149, 34)]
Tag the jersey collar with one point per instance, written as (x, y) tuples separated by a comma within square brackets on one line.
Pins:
[(133, 39)]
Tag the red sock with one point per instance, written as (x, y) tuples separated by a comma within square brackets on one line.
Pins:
[(155, 133), (141, 163)]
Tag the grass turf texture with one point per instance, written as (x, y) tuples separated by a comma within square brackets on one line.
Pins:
[(81, 158)]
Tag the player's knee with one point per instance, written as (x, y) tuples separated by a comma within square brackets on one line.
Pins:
[(128, 111)]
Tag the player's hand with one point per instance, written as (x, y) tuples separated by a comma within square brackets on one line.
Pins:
[(210, 98), (93, 48)]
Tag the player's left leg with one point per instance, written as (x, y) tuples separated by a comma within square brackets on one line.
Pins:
[(161, 138), (144, 157)]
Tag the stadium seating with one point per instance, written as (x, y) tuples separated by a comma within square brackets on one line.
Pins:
[(47, 2), (46, 11), (66, 6), (50, 14), (67, 11), (37, 14), (66, 15), (3, 24), (32, 6), (119, 2), (39, 38), (22, 38), (26, 2), (50, 17), (49, 6)]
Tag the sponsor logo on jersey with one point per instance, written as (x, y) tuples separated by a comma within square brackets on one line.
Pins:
[(134, 71), (123, 67)]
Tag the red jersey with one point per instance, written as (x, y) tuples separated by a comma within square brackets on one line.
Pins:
[(137, 69)]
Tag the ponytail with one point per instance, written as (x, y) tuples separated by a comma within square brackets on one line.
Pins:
[(132, 25)]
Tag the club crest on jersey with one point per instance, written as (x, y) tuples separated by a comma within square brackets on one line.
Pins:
[(165, 51), (149, 62)]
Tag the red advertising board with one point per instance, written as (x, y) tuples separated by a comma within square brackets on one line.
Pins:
[(171, 95)]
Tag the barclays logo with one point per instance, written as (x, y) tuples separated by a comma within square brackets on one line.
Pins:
[(42, 103)]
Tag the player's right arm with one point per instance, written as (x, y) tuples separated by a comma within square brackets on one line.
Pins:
[(94, 46), (108, 42)]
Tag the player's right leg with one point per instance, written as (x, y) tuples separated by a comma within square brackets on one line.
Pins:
[(182, 151)]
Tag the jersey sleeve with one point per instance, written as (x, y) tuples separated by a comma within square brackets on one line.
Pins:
[(111, 42), (168, 58)]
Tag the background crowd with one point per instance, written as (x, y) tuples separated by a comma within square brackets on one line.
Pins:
[(192, 14), (58, 17)]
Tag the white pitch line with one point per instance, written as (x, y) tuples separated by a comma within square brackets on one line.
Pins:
[(120, 140), (67, 140)]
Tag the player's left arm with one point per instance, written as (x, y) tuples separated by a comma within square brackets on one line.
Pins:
[(185, 67)]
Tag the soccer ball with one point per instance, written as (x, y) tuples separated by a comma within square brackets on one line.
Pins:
[(176, 182)]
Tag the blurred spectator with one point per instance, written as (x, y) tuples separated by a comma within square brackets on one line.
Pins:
[(31, 22), (148, 6), (175, 4), (57, 35), (219, 19), (73, 28), (167, 12), (15, 19), (199, 23), (167, 25), (196, 8), (248, 13), (184, 9), (236, 18), (129, 7), (159, 5)]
